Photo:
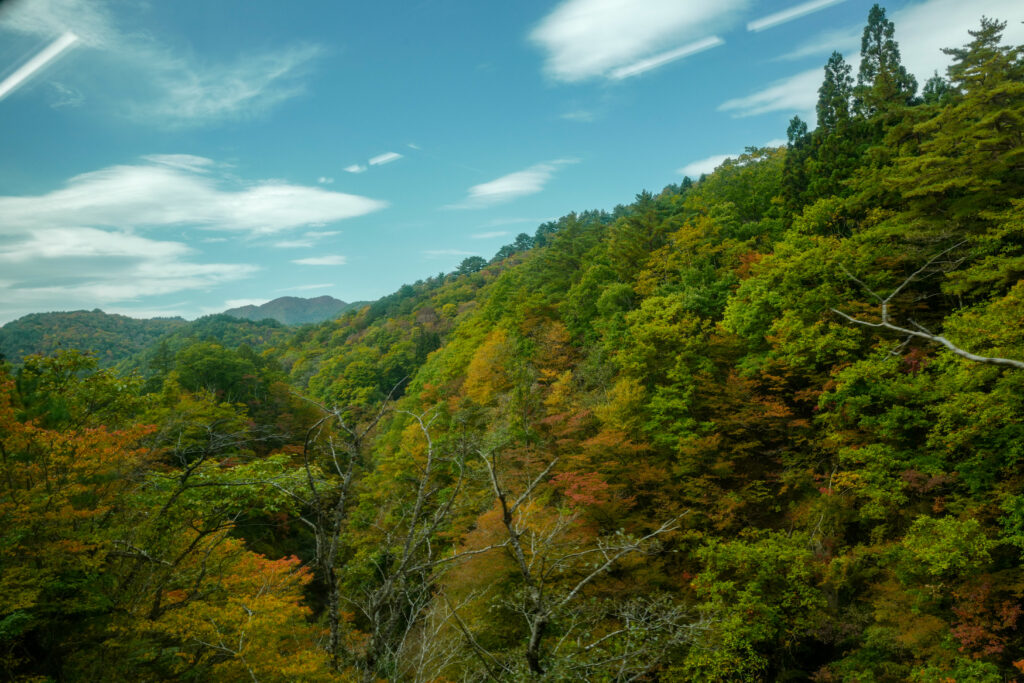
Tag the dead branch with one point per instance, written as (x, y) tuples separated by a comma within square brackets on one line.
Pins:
[(918, 330)]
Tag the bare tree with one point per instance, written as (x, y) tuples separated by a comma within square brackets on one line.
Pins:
[(917, 330), (395, 603), (332, 451), (436, 645), (552, 572), (645, 633)]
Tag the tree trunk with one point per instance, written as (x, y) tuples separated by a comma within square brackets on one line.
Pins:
[(533, 648), (333, 607)]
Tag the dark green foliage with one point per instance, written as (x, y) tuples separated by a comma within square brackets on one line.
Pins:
[(834, 95), (936, 90), (111, 337), (221, 329), (470, 265), (794, 170)]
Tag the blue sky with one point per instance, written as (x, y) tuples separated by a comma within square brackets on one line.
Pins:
[(179, 158)]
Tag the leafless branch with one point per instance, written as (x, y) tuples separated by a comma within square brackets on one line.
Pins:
[(918, 330)]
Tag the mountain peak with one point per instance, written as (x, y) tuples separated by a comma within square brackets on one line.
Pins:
[(293, 310)]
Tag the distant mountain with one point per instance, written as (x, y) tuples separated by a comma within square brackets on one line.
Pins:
[(293, 310), (110, 336)]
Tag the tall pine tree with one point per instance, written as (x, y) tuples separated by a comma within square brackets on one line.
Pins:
[(882, 81), (794, 168), (833, 107), (834, 152), (984, 62)]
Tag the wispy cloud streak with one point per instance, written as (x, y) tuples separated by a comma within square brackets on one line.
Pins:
[(796, 94), (512, 186), (790, 14), (329, 260), (385, 158), (164, 87), (664, 58), (585, 39), (178, 190)]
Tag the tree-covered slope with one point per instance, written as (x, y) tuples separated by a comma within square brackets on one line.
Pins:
[(764, 425), (110, 336), (847, 486)]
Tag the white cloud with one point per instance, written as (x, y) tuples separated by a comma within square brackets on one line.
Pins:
[(354, 168), (645, 65), (329, 260), (845, 41), (60, 243), (64, 96), (166, 88), (293, 244), (489, 235), (586, 39), (83, 267), (307, 240), (695, 168), (922, 30), (248, 86), (90, 20), (157, 194), (797, 94), (324, 180), (385, 158), (88, 243), (512, 186), (790, 14)]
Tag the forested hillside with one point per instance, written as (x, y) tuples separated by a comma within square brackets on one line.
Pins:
[(221, 329), (763, 425), (118, 340), (109, 336)]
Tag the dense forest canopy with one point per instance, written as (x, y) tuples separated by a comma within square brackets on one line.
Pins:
[(110, 337), (763, 425)]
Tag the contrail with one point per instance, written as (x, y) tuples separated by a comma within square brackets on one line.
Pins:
[(790, 14), (47, 55)]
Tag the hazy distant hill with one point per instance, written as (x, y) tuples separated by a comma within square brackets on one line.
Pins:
[(110, 336), (293, 310), (117, 338)]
